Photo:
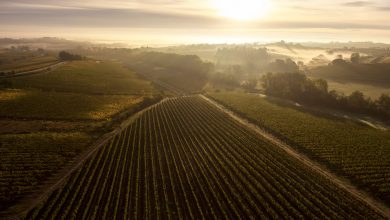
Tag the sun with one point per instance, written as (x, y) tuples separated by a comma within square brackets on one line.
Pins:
[(242, 9)]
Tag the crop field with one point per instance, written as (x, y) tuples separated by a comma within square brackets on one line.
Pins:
[(15, 126), (356, 151), (26, 159), (186, 159), (88, 77), (29, 64), (33, 104), (47, 121)]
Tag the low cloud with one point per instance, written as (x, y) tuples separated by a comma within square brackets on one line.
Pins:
[(121, 18), (323, 25), (62, 16), (357, 4), (383, 8)]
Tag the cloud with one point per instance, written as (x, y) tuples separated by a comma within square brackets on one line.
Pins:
[(140, 18), (358, 3), (153, 18), (383, 8), (103, 4), (98, 17), (323, 25)]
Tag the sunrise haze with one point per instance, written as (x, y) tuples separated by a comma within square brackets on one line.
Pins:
[(197, 21)]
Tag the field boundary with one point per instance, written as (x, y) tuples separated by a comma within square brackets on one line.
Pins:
[(339, 181), (45, 69), (176, 91), (15, 212)]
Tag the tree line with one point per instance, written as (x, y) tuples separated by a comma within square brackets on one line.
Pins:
[(298, 87), (66, 56)]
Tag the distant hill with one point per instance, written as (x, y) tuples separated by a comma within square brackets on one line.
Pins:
[(53, 43), (350, 44)]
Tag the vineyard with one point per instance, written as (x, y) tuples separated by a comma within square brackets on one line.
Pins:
[(29, 64), (48, 120), (356, 151), (24, 165), (33, 104), (185, 159), (88, 77)]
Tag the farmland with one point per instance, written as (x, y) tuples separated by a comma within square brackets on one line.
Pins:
[(26, 159), (47, 121), (35, 104), (184, 158), (16, 62), (355, 151), (88, 77)]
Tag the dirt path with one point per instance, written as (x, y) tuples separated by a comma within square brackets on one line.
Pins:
[(45, 69), (59, 179), (339, 181)]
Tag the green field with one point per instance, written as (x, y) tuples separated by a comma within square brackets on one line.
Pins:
[(182, 158), (88, 77), (83, 90), (185, 159), (47, 119), (32, 104), (15, 126), (32, 63), (359, 152), (28, 159)]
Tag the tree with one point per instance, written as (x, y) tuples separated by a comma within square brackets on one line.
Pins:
[(355, 57), (282, 66), (356, 101), (321, 85), (298, 87), (383, 103), (66, 56), (338, 62), (285, 85)]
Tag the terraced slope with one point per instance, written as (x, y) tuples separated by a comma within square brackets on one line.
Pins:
[(186, 159)]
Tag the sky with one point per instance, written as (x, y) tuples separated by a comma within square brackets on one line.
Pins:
[(154, 22)]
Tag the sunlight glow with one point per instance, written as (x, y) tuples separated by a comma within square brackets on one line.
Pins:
[(243, 9)]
